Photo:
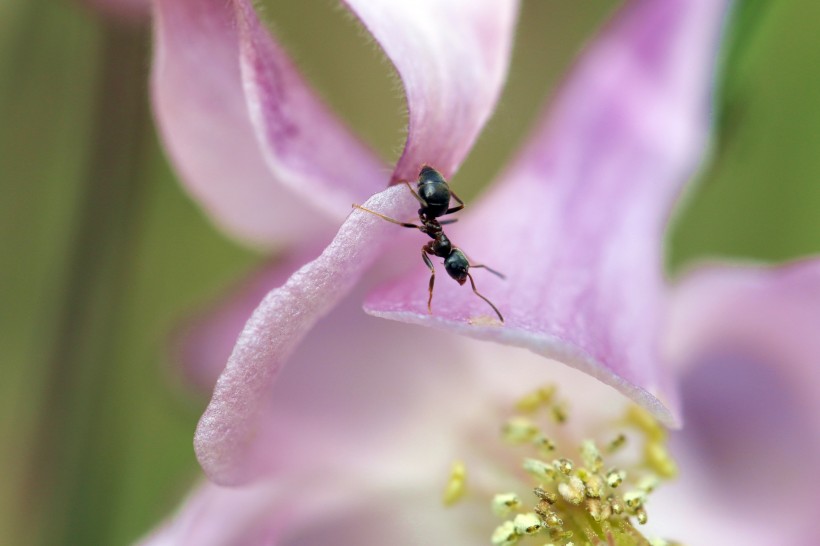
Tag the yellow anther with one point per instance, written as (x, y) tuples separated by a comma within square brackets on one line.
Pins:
[(594, 486), (547, 496), (591, 456), (615, 477), (527, 524), (639, 417), (634, 499), (616, 443), (553, 521), (564, 466), (572, 490), (640, 515), (519, 430), (504, 503), (540, 469), (559, 413), (616, 507), (659, 460), (544, 444), (534, 400), (648, 483), (456, 484), (599, 510), (504, 534)]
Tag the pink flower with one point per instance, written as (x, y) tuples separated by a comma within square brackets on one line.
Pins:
[(351, 441)]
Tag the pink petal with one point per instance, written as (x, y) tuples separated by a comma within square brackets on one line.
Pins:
[(205, 344), (205, 119), (226, 440), (362, 427), (577, 222), (305, 145), (452, 57), (746, 340), (326, 512)]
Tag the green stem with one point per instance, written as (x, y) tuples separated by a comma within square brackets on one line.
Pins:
[(74, 468)]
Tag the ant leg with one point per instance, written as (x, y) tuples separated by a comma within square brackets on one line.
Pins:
[(432, 277), (491, 270), (472, 282), (382, 216), (415, 194), (458, 200), (450, 221), (482, 266)]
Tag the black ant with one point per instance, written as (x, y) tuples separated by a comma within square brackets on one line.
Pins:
[(434, 195)]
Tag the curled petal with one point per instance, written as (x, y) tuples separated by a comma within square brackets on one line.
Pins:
[(305, 145), (207, 122), (745, 342), (226, 439), (452, 57), (577, 223), (205, 343)]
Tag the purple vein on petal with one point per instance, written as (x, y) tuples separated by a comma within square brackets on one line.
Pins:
[(204, 119), (306, 146), (452, 57), (586, 205), (226, 438)]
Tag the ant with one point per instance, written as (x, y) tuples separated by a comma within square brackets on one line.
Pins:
[(434, 196)]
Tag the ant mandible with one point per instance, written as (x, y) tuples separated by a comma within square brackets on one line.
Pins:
[(434, 196)]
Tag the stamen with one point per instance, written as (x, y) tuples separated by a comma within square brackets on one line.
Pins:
[(575, 498), (659, 460), (456, 485), (616, 443), (519, 430), (505, 503), (559, 413), (504, 534), (536, 399), (573, 490), (527, 524)]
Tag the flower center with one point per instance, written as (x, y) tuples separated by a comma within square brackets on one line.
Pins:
[(587, 492)]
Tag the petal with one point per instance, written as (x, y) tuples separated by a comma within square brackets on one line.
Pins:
[(362, 427), (452, 57), (576, 224), (745, 339), (205, 343), (226, 441), (205, 120), (329, 512), (305, 145)]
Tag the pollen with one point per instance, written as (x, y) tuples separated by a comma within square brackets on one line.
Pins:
[(505, 534), (527, 524), (504, 503), (578, 495)]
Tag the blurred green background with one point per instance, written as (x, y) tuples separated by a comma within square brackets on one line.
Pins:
[(104, 255)]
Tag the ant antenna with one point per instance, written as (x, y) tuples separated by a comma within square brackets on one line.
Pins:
[(472, 282)]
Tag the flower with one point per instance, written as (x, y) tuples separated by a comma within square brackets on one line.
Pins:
[(586, 203)]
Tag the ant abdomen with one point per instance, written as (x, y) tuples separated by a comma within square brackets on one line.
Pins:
[(435, 192)]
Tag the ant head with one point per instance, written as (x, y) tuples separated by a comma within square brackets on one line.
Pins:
[(456, 265)]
